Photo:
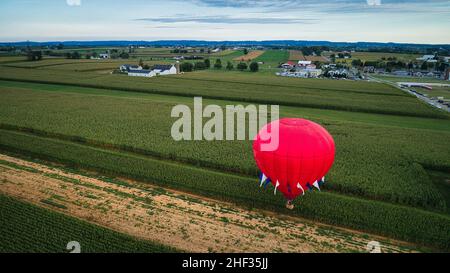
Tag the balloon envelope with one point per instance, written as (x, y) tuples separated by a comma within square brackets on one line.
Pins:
[(305, 153)]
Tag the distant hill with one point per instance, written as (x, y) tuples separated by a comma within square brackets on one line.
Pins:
[(273, 43)]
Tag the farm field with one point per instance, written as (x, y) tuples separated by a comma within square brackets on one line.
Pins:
[(252, 55), (376, 56), (436, 92), (161, 145), (120, 126), (28, 228), (352, 99), (296, 55), (134, 208), (410, 79), (316, 59)]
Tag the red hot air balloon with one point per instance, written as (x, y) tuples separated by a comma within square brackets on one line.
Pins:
[(303, 156)]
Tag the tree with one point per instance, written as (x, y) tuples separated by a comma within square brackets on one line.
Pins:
[(254, 67), (187, 67), (73, 55), (207, 63), (218, 64), (245, 51), (34, 55), (357, 62), (200, 66), (124, 55), (141, 63), (424, 66), (230, 66), (242, 66)]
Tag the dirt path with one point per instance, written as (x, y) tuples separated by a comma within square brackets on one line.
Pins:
[(180, 220)]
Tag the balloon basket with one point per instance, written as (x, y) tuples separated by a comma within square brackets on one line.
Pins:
[(289, 205)]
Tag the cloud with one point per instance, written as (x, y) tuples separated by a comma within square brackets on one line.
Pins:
[(332, 6), (374, 2), (73, 2), (223, 19)]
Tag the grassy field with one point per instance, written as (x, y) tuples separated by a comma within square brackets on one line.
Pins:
[(376, 56), (273, 58), (26, 228), (410, 79), (357, 146), (250, 56), (356, 96), (296, 55), (406, 223), (437, 92), (121, 125)]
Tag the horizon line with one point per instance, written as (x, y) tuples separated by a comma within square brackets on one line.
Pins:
[(213, 41)]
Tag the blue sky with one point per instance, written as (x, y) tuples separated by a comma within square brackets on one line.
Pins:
[(426, 21)]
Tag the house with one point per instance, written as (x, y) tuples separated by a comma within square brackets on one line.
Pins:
[(329, 66), (288, 65), (311, 66), (128, 67), (304, 63), (156, 70), (103, 56), (369, 69), (338, 72), (165, 69), (141, 73), (314, 73), (426, 58), (401, 73)]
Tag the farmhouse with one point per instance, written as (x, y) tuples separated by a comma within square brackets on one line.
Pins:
[(128, 67), (304, 63), (369, 69), (426, 58), (141, 73), (103, 56), (314, 73), (163, 69), (288, 65), (156, 70)]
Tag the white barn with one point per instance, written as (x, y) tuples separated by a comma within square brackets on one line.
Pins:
[(104, 56), (156, 70), (163, 69), (141, 73)]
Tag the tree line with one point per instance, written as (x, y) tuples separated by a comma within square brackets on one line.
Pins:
[(206, 64)]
